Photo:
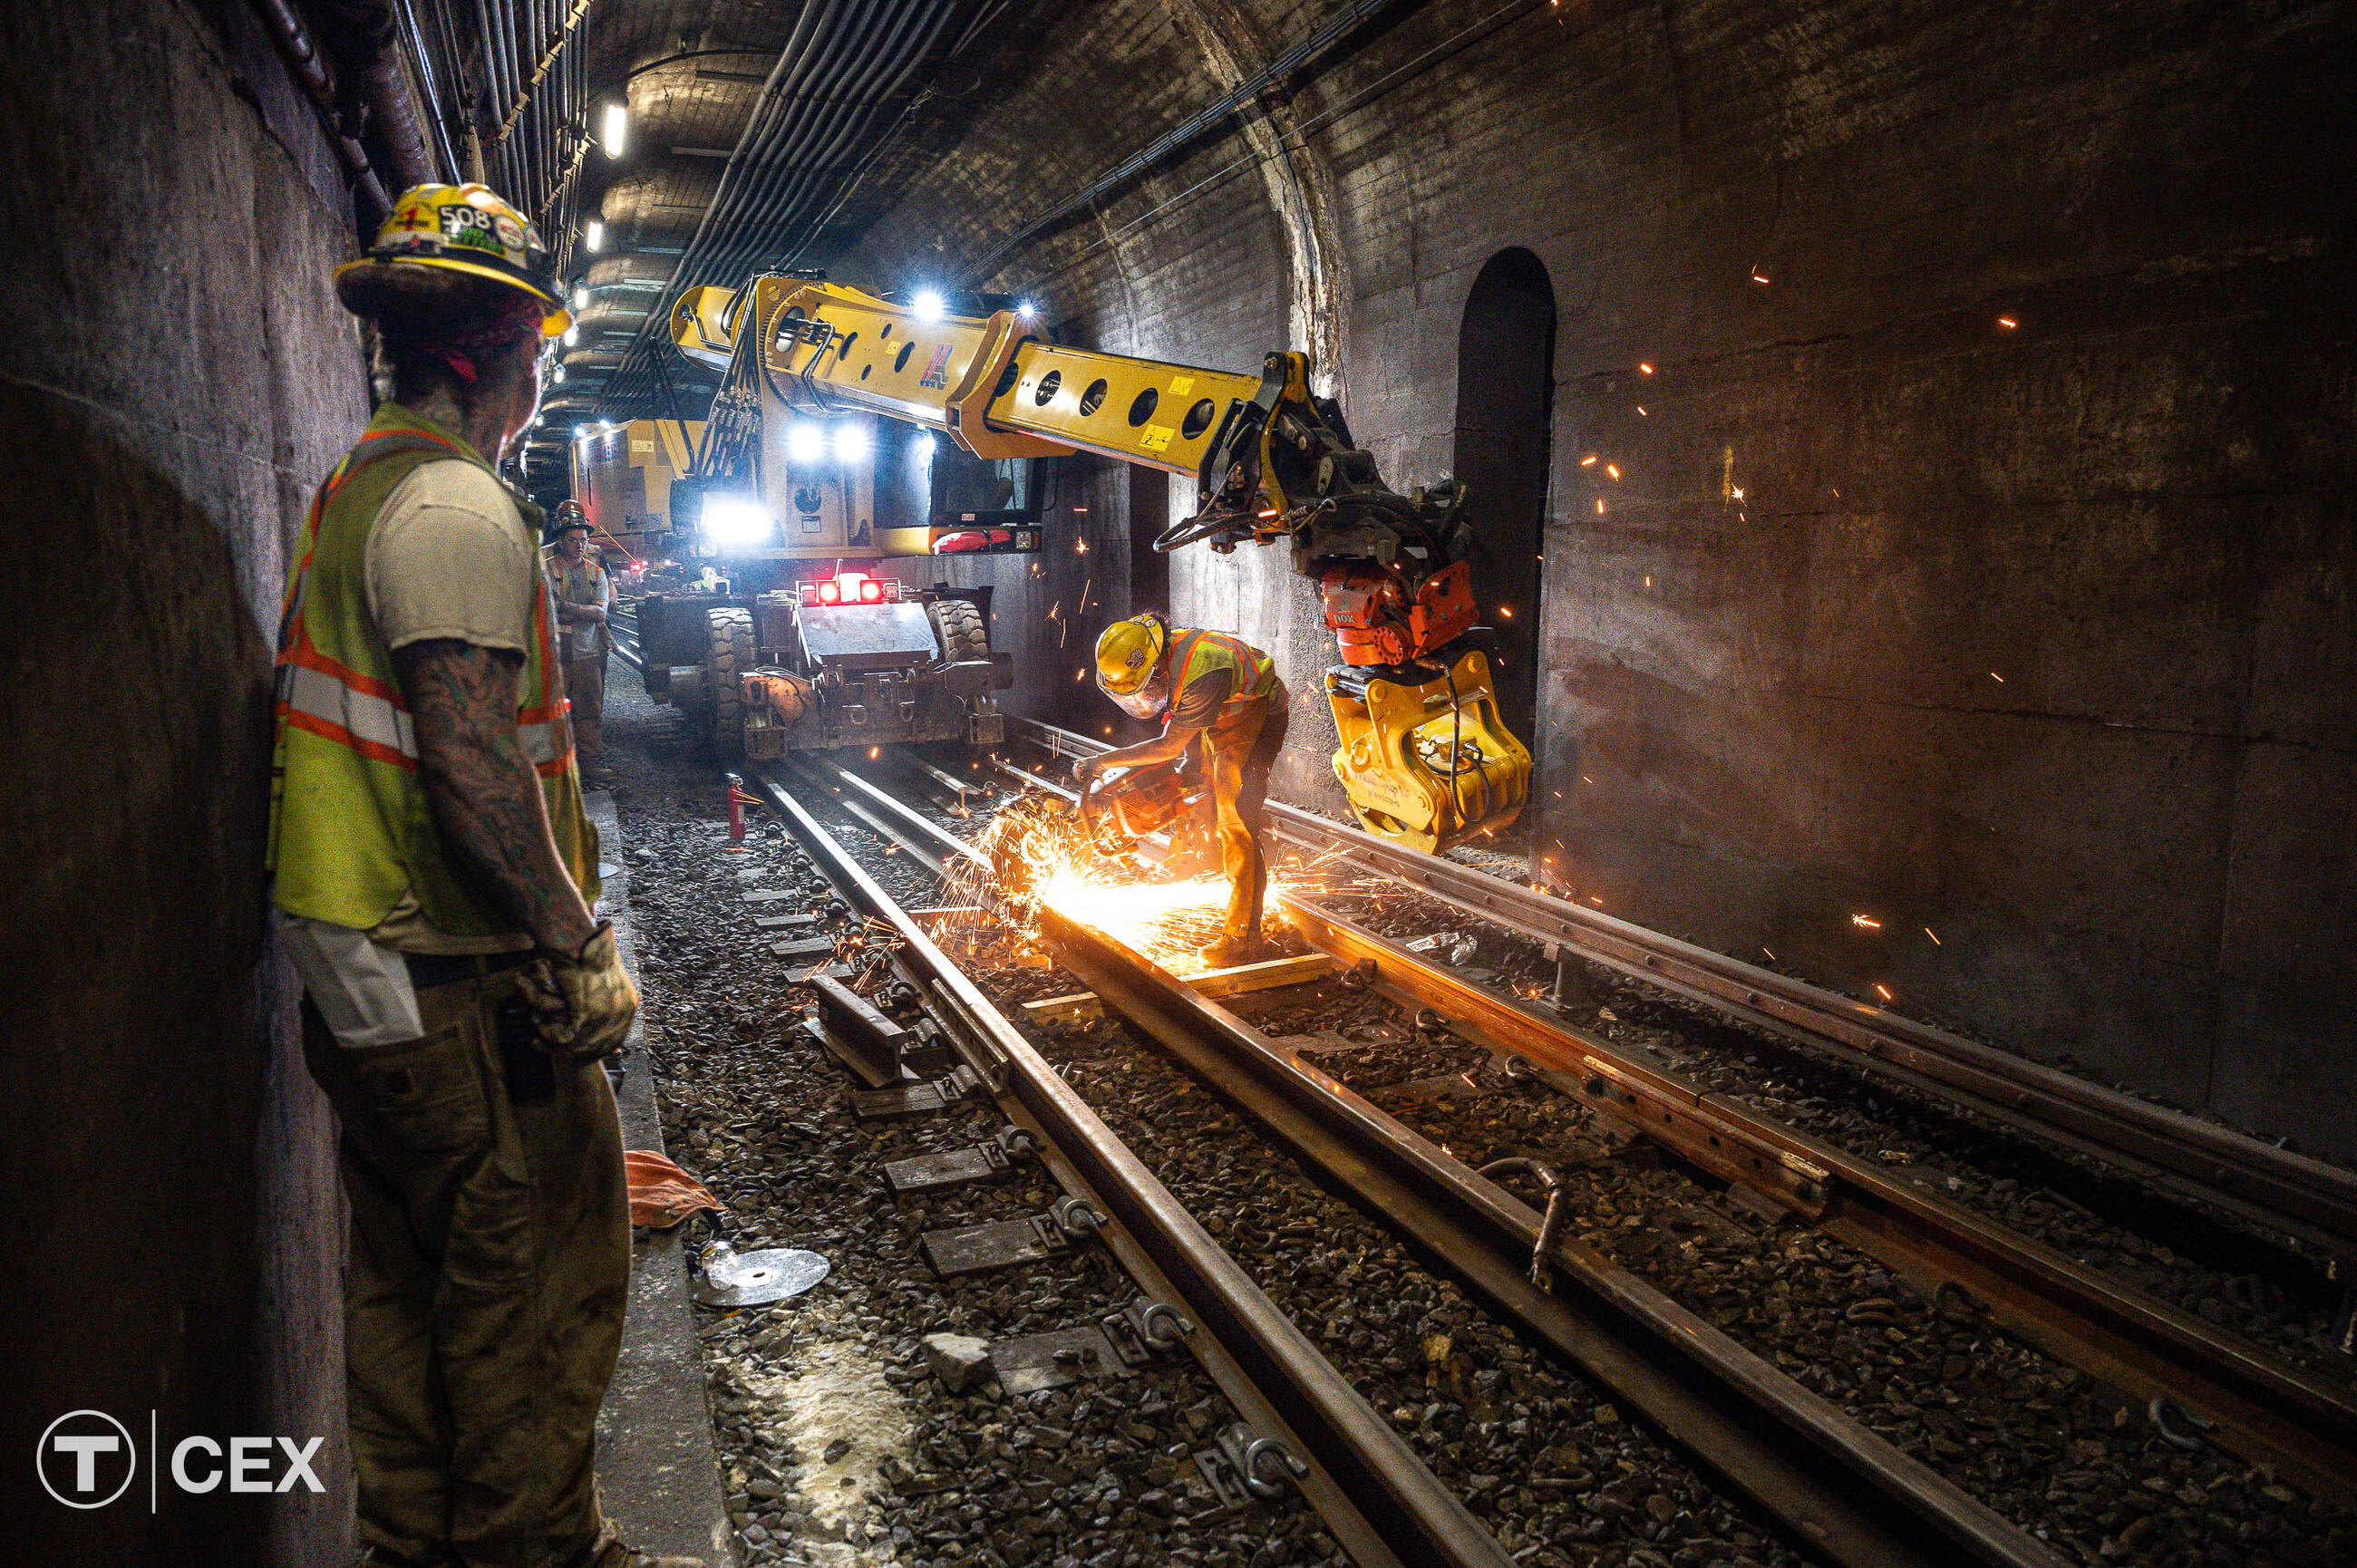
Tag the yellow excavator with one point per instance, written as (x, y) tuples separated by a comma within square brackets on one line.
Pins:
[(1424, 759)]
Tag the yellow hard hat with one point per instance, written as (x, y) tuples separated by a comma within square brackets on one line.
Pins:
[(465, 229), (1128, 653)]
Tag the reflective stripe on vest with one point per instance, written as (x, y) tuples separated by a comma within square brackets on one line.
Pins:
[(319, 695)]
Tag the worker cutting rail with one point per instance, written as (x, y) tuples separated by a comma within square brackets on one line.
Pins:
[(1222, 709)]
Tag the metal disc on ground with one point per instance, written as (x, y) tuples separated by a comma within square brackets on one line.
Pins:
[(755, 1278)]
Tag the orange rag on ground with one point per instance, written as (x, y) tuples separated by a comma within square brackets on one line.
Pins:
[(662, 1194)]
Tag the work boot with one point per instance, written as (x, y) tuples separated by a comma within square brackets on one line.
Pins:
[(1229, 953)]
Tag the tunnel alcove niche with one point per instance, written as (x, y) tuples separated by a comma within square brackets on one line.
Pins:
[(1505, 398)]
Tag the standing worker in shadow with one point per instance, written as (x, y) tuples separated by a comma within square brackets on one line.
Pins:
[(585, 597), (1220, 696), (434, 875)]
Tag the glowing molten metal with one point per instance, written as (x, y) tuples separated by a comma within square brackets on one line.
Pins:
[(1042, 858)]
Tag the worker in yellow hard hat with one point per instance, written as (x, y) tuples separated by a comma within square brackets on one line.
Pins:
[(435, 878), (1220, 696)]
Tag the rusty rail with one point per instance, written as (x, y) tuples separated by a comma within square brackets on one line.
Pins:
[(2286, 1193), (2264, 1408), (1383, 1503), (1835, 1484)]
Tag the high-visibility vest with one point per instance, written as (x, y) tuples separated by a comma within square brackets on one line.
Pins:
[(1198, 653), (352, 831)]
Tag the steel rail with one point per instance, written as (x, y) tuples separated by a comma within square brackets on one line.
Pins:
[(2288, 1193), (1383, 1503), (1832, 1482), (1840, 1489), (2269, 1409), (2265, 1408), (617, 626)]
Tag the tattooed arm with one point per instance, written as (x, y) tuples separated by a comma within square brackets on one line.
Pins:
[(483, 790)]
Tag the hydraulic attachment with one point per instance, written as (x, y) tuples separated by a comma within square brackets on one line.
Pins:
[(1423, 757)]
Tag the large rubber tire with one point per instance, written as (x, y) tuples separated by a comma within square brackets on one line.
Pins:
[(729, 654), (963, 633)]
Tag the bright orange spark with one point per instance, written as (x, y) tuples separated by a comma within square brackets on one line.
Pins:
[(1644, 370), (2008, 322), (1866, 923), (1934, 936), (1886, 993)]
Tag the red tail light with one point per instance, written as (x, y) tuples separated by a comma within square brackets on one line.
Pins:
[(871, 592), (828, 594)]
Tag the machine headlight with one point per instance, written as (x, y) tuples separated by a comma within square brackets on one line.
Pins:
[(805, 443), (851, 443), (733, 521)]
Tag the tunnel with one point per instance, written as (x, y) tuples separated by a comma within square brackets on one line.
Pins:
[(1736, 743)]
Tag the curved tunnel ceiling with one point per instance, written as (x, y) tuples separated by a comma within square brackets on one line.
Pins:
[(749, 127), (770, 135)]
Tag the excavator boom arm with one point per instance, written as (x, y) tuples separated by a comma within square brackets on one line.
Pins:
[(1424, 759)]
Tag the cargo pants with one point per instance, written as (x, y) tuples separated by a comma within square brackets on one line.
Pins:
[(1236, 804), (491, 1262), (585, 686)]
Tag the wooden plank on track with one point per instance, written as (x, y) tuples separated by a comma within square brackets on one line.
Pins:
[(1264, 976)]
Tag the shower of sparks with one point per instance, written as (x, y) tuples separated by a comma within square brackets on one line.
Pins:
[(1040, 858)]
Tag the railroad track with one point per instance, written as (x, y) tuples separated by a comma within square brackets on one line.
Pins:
[(622, 630), (2258, 1404), (1307, 1427), (2303, 1199), (1839, 1490)]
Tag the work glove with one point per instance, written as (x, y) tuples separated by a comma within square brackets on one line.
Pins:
[(582, 1001), (1086, 769)]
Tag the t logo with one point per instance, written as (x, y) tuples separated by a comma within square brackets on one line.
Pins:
[(85, 1459)]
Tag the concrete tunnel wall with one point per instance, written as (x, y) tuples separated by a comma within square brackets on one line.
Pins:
[(175, 378), (2037, 639)]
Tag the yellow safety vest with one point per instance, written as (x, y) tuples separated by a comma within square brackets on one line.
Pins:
[(352, 832), (1198, 653)]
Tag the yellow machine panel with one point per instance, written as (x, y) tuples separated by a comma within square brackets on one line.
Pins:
[(1424, 756), (622, 477)]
